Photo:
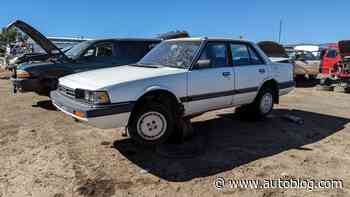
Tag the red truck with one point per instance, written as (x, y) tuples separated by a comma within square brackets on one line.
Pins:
[(336, 68), (330, 58)]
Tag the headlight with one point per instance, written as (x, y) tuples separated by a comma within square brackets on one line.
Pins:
[(22, 74), (94, 97)]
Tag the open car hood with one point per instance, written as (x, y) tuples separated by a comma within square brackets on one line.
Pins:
[(344, 48), (39, 38), (273, 49)]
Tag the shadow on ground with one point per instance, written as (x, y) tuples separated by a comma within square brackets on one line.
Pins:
[(45, 104), (228, 142), (302, 82)]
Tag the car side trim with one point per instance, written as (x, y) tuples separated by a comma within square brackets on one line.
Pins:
[(192, 98), (218, 94)]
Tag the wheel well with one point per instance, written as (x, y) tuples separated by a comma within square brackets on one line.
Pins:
[(274, 86), (160, 96)]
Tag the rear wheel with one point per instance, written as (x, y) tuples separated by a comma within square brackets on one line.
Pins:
[(261, 107), (263, 104), (151, 124)]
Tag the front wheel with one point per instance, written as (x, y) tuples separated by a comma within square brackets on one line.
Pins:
[(151, 124)]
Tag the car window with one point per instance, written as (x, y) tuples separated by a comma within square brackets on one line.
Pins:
[(254, 58), (100, 50), (309, 56), (240, 54), (304, 56), (332, 53), (131, 52), (216, 53)]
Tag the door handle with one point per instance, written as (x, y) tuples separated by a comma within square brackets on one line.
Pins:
[(261, 70), (226, 74)]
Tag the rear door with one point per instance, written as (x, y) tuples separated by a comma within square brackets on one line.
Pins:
[(211, 84), (250, 72)]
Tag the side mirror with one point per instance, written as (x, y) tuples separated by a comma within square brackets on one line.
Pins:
[(203, 64)]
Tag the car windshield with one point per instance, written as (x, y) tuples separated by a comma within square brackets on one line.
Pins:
[(75, 51), (177, 54), (305, 55)]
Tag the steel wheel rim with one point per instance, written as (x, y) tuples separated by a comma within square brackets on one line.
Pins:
[(266, 103), (151, 125)]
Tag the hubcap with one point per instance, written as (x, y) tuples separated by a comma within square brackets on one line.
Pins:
[(266, 103), (151, 125)]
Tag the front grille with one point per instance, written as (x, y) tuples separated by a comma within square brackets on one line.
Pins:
[(66, 91)]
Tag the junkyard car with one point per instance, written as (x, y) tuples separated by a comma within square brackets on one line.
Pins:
[(40, 72), (178, 78), (306, 64)]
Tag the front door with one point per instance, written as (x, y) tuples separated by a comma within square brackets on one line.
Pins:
[(211, 81)]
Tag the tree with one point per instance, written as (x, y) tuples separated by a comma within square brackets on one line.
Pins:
[(12, 35)]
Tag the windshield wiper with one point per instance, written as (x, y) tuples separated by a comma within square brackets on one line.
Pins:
[(146, 65)]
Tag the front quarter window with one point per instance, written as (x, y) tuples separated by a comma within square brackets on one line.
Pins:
[(177, 54)]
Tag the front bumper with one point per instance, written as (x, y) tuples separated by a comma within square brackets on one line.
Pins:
[(100, 116), (26, 85)]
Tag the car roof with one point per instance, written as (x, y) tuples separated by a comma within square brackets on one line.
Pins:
[(127, 40), (209, 39)]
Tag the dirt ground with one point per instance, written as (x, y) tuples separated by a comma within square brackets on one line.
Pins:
[(45, 153)]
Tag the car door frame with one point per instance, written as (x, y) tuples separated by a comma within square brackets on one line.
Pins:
[(247, 95), (213, 95)]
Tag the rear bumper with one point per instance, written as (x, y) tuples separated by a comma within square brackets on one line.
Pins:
[(27, 85), (103, 116)]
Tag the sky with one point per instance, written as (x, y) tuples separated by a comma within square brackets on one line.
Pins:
[(303, 21)]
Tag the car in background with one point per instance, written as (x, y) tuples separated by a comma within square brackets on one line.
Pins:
[(40, 72), (306, 64), (3, 63), (330, 57), (313, 48)]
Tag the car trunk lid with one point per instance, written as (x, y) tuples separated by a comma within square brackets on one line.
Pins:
[(273, 49)]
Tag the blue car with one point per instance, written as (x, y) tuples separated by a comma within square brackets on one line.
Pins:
[(39, 73)]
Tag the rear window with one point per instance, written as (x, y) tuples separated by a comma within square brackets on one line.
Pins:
[(131, 52)]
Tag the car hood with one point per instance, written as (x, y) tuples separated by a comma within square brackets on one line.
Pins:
[(344, 48), (103, 78), (36, 68), (273, 49), (39, 38)]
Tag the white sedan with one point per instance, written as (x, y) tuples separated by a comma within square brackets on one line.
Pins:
[(178, 78)]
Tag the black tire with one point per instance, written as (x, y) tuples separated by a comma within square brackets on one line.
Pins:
[(162, 116), (312, 77), (324, 87), (254, 111), (342, 89)]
